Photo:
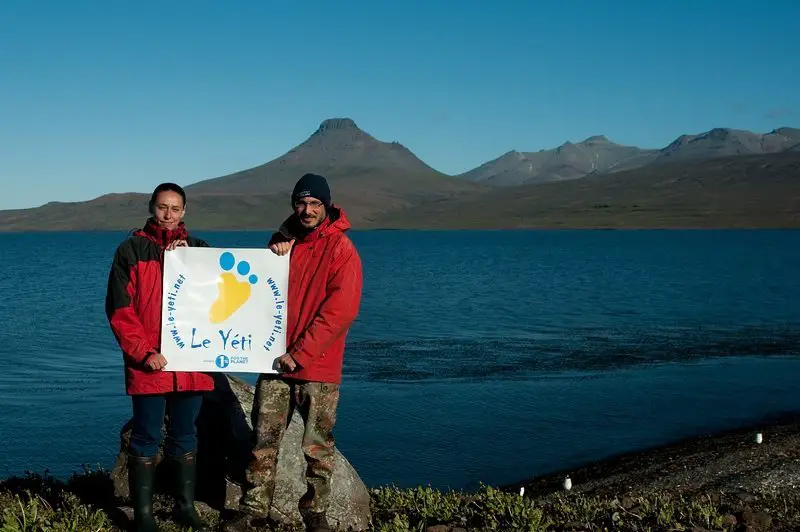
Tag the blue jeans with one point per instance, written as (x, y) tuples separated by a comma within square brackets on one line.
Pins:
[(148, 418)]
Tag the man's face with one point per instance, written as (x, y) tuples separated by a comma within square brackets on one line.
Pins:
[(309, 211), (168, 209)]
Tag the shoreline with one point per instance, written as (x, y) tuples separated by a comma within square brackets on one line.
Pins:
[(728, 460), (716, 481)]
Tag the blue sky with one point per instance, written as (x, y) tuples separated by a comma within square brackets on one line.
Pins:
[(101, 96)]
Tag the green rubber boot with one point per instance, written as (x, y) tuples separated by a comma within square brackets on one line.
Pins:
[(186, 474), (141, 475)]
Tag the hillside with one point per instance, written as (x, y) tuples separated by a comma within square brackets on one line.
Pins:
[(370, 177), (384, 185), (569, 161), (721, 142), (739, 191), (367, 175), (128, 211), (337, 149), (597, 155)]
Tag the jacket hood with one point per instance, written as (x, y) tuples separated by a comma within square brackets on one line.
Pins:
[(161, 235), (335, 222)]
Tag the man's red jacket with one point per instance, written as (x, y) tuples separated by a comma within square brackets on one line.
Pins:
[(325, 282)]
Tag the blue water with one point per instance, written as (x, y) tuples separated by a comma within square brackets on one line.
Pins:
[(478, 356)]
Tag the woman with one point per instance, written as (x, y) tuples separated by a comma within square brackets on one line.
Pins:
[(133, 307)]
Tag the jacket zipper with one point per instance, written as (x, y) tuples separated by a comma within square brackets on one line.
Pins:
[(163, 250)]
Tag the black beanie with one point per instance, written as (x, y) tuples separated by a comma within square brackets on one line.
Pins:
[(312, 185)]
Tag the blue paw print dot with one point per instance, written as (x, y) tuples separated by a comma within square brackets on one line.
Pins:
[(227, 261)]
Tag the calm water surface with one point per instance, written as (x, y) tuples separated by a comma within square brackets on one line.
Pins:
[(478, 356)]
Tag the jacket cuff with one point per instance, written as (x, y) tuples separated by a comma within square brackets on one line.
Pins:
[(147, 355), (302, 359)]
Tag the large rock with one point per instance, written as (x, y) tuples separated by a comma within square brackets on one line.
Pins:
[(224, 433)]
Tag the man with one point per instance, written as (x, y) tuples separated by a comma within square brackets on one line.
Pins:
[(324, 297)]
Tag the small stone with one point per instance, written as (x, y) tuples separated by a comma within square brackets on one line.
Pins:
[(127, 511), (729, 521), (204, 508), (758, 520), (233, 494), (637, 509), (628, 502), (439, 528)]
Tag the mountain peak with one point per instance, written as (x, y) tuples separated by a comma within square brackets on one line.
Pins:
[(337, 123), (567, 145), (720, 132), (791, 132), (680, 141), (596, 139)]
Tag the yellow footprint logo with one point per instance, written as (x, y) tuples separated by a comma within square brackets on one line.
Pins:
[(232, 293)]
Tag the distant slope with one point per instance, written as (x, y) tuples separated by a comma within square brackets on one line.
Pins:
[(337, 149), (598, 155), (694, 182), (367, 176), (124, 209), (129, 211), (568, 161), (721, 142), (739, 191)]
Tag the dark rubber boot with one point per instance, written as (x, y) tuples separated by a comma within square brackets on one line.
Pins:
[(186, 474), (141, 475)]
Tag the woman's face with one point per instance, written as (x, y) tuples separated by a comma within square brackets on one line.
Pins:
[(168, 209)]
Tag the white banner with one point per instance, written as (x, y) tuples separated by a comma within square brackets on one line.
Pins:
[(224, 309)]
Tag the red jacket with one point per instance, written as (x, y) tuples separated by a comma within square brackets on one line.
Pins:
[(133, 308), (324, 296)]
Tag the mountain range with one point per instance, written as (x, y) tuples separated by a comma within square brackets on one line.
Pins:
[(597, 154), (720, 178)]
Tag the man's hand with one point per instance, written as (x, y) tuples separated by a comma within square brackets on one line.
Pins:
[(286, 363), (282, 248), (176, 244), (156, 361)]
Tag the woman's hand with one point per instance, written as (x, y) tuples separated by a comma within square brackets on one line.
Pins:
[(177, 244), (156, 361)]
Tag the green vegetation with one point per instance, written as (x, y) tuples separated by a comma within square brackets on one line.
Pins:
[(85, 503), (490, 509)]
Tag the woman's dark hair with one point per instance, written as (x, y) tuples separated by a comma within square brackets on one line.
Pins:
[(167, 187)]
